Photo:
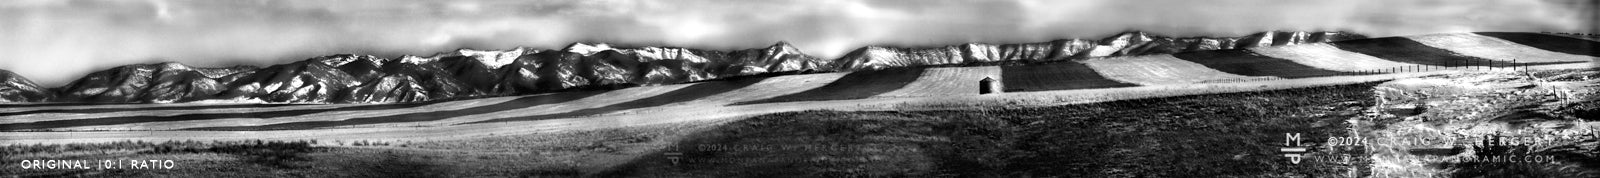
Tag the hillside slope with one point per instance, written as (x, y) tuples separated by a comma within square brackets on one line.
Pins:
[(470, 73), (15, 88), (1099, 79)]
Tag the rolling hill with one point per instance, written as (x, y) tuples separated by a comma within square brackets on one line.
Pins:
[(468, 73)]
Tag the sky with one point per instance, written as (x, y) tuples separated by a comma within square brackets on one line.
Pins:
[(55, 41)]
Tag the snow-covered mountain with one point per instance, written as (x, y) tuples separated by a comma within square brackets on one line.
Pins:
[(348, 78), (14, 88), (1125, 44)]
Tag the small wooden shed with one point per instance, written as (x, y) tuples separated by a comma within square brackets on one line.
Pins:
[(989, 86)]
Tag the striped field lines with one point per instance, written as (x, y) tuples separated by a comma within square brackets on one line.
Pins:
[(1325, 56), (1161, 70), (524, 106), (1322, 62), (1248, 63), (19, 109), (1055, 76), (1495, 49), (1407, 50), (386, 113), (1554, 43), (946, 81), (682, 95), (188, 113), (856, 85), (775, 86)]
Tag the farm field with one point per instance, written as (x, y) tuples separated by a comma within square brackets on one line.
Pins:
[(1560, 44), (685, 94), (1244, 62), (1410, 51), (946, 81), (1161, 70), (856, 85), (1496, 49), (1325, 56), (1055, 76)]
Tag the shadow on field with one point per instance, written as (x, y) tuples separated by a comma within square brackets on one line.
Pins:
[(681, 95), (856, 85), (1246, 63), (517, 103), (1236, 134), (523, 102), (1400, 49), (1056, 76), (1550, 42), (154, 108)]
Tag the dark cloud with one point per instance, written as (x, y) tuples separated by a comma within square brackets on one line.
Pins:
[(54, 41)]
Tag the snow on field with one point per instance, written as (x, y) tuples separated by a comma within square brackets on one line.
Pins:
[(1161, 70), (1324, 56), (1494, 48)]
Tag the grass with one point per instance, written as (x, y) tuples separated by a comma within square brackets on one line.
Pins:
[(1471, 123), (190, 157), (1218, 135), (557, 154)]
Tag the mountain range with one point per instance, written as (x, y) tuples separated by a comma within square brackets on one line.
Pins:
[(347, 78)]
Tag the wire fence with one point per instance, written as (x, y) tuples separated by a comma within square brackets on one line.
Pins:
[(1202, 88)]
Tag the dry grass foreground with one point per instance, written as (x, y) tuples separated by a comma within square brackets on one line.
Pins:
[(560, 154), (1236, 134), (1541, 124)]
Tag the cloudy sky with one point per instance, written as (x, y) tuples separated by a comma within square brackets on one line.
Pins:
[(55, 41)]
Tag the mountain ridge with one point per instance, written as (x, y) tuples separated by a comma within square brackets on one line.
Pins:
[(349, 78)]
